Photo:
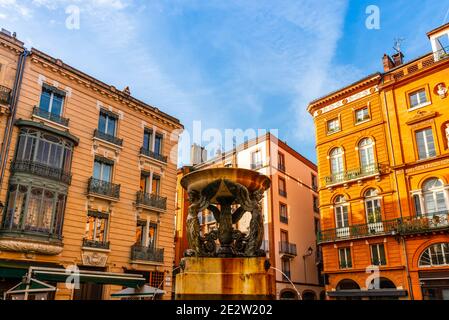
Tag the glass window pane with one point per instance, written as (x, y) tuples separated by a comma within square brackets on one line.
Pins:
[(45, 100), (158, 144), (97, 170), (107, 172), (111, 126), (56, 107), (102, 123), (147, 138)]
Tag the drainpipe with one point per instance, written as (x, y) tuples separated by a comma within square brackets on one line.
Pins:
[(402, 240), (13, 108)]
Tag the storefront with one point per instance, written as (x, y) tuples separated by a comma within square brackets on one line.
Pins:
[(434, 285)]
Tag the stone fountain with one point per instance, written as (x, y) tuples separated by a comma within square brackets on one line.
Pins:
[(225, 263)]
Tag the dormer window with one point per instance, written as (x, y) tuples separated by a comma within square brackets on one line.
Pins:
[(439, 39)]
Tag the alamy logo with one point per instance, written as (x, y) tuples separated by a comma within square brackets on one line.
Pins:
[(73, 20), (73, 279), (373, 19), (373, 280)]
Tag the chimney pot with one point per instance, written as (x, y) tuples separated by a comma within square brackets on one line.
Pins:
[(387, 62), (398, 59)]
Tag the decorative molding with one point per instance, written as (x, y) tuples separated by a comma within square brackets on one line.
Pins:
[(30, 246), (421, 116), (94, 258), (428, 166), (347, 100)]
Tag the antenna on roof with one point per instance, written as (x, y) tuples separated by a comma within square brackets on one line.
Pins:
[(397, 44)]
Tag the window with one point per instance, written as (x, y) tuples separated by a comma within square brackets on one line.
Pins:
[(333, 125), (158, 144), (316, 206), (256, 159), (344, 255), (314, 182), (425, 143), (341, 216), (286, 269), (283, 214), (146, 234), (140, 232), (52, 100), (34, 209), (282, 187), (150, 183), (336, 158), (366, 154), (378, 255), (45, 149), (435, 255), (372, 207), (148, 139), (96, 226), (434, 196), (281, 162), (103, 169), (107, 123), (417, 205), (362, 115), (417, 98)]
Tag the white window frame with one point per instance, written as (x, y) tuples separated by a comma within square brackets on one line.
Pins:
[(331, 128), (420, 103), (366, 149), (50, 107), (345, 251), (426, 146), (377, 248), (338, 159), (362, 110)]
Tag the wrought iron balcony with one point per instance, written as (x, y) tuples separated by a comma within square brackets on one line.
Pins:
[(104, 188), (5, 95), (287, 248), (50, 116), (283, 219), (147, 253), (151, 200), (359, 231), (107, 137), (424, 223), (96, 244), (154, 155), (42, 170), (353, 174)]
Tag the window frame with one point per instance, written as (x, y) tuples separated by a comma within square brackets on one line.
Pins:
[(379, 254), (368, 114), (426, 143), (98, 215), (108, 115), (336, 129), (53, 91), (421, 104), (347, 254)]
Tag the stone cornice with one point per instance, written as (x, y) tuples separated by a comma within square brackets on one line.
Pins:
[(11, 43), (108, 91)]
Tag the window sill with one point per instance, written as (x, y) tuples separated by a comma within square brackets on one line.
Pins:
[(61, 126), (422, 105), (95, 249), (362, 122), (333, 132)]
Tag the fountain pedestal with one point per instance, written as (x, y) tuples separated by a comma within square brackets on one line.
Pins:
[(224, 279)]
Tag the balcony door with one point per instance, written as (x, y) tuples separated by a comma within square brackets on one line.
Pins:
[(366, 154), (102, 171), (435, 202), (150, 183), (373, 211), (341, 217), (337, 167)]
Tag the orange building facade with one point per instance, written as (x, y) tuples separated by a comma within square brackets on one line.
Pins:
[(290, 209), (382, 146), (88, 181)]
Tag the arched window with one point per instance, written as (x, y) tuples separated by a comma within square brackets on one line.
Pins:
[(336, 157), (289, 295), (366, 153), (341, 216), (435, 255), (373, 207), (308, 295), (434, 196)]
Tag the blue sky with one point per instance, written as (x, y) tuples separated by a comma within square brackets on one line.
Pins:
[(229, 64)]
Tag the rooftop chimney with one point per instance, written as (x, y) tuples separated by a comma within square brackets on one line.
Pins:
[(387, 62), (398, 58)]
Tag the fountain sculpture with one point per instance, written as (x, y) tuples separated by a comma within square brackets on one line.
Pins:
[(225, 263)]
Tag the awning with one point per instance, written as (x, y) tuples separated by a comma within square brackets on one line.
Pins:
[(60, 275), (368, 293), (145, 291), (34, 286)]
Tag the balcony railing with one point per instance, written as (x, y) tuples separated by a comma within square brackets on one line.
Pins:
[(287, 248), (108, 137), (152, 154), (104, 188), (354, 174), (11, 227), (147, 253), (359, 231), (257, 165), (50, 116), (151, 200), (42, 170), (283, 193), (424, 223), (283, 219), (5, 95), (96, 244)]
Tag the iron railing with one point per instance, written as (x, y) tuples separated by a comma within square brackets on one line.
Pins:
[(108, 137), (424, 223), (359, 231), (50, 116), (104, 188), (12, 228), (287, 248), (43, 170), (151, 200), (153, 154), (95, 244), (353, 174), (5, 95), (147, 253)]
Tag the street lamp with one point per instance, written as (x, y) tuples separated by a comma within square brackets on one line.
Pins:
[(308, 253)]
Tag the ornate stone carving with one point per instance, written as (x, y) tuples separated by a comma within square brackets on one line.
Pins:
[(29, 246), (94, 259)]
